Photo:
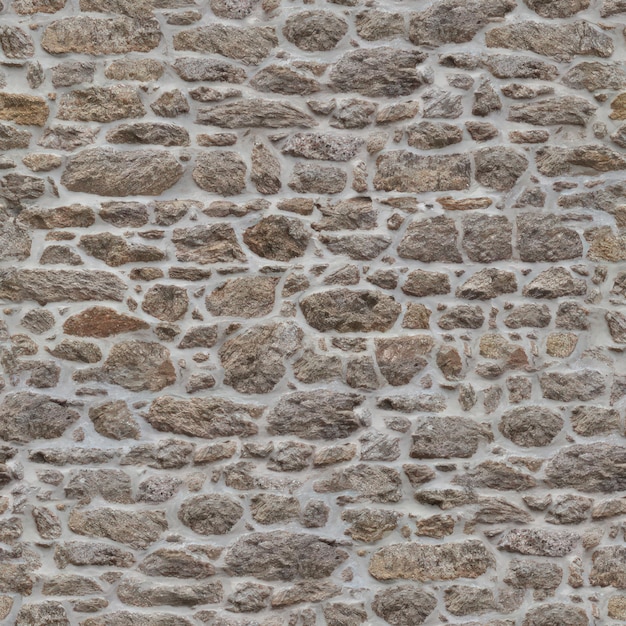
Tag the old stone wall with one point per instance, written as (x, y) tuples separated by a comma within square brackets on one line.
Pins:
[(313, 312)]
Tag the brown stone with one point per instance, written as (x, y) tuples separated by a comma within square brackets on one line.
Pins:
[(23, 109), (278, 238), (101, 322)]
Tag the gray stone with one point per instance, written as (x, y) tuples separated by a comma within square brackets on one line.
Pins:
[(524, 573), (455, 21), (519, 66), (249, 45), (104, 171), (137, 592), (115, 251), (608, 567), (555, 282), (16, 43), (324, 146), (101, 104), (176, 564), (346, 310), (495, 475), (529, 426), (72, 73), (250, 296), (114, 420), (487, 238), (110, 484), (315, 414), (221, 171), (266, 169), (212, 514), (593, 75), (209, 418), (376, 72), (255, 112), (350, 214), (278, 238), (499, 168), (433, 135), (448, 437), (558, 8), (560, 42), (213, 243), (373, 25), (66, 137), (267, 508), (253, 361), (128, 618), (425, 562), (590, 421), (547, 614), (377, 483), (281, 555), (404, 605), (542, 238), (357, 247), (570, 110), (149, 133), (195, 69), (538, 541), (587, 159), (315, 31), (400, 359), (47, 613), (431, 240), (462, 316), (319, 179), (486, 284), (143, 70), (589, 468), (441, 103), (578, 385)]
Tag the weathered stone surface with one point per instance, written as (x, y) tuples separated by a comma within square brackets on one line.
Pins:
[(315, 31), (221, 172), (593, 75), (431, 240), (400, 359), (448, 437), (253, 361), (28, 416), (381, 71), (404, 605), (315, 415), (243, 297), (115, 251), (499, 168), (530, 426), (586, 159), (346, 310), (371, 482), (143, 70), (101, 322), (579, 385), (590, 421), (401, 170), (215, 243), (209, 418), (175, 564), (281, 555), (128, 618), (487, 284), (278, 238), (67, 137), (487, 238), (555, 283), (433, 135), (547, 614), (495, 475), (149, 133), (422, 562), (454, 21), (608, 567), (255, 112), (101, 104), (11, 138), (42, 613), (137, 592), (542, 238), (23, 109), (519, 66), (28, 7), (16, 43), (523, 573), (104, 171), (324, 146), (282, 79), (133, 528), (210, 514), (319, 179), (560, 42), (250, 45), (373, 25), (564, 110), (114, 420), (539, 542)]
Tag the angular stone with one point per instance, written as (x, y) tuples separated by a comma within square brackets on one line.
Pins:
[(47, 523), (499, 168), (73, 350), (101, 322), (149, 133), (495, 475), (233, 9), (278, 238), (593, 75), (404, 605), (281, 555), (324, 146), (587, 159), (448, 437), (590, 421), (12, 138), (608, 567), (166, 302), (401, 170), (357, 247), (42, 614), (441, 103), (170, 104), (115, 251), (114, 420), (486, 284), (248, 597), (377, 72), (518, 66), (570, 110), (555, 283), (315, 414), (28, 416), (143, 70), (16, 43), (137, 529), (176, 564), (421, 283), (463, 316), (352, 113), (110, 484), (424, 562), (104, 171), (539, 541), (253, 361), (209, 418), (529, 426), (558, 8), (23, 109), (560, 42), (210, 514), (542, 238), (139, 366), (193, 69), (579, 385), (255, 112), (373, 25), (431, 240), (486, 100), (251, 296), (377, 483), (313, 178), (400, 359), (249, 45), (345, 310), (524, 573), (72, 73), (315, 31), (265, 169), (369, 525), (67, 137), (487, 238), (101, 104), (433, 135), (221, 172), (455, 21), (215, 243), (28, 7), (588, 468), (547, 614), (137, 592), (166, 454)]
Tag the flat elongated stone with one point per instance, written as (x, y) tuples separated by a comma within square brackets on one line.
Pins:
[(586, 159), (593, 75), (401, 170), (316, 414), (324, 146), (376, 72), (129, 618), (98, 36), (345, 310), (208, 418), (101, 322), (214, 243), (149, 133), (281, 555), (568, 386), (455, 21), (23, 109), (101, 104), (104, 171), (45, 286), (431, 240), (448, 437), (250, 45), (255, 112), (558, 41), (282, 79), (562, 110), (192, 69), (531, 425), (421, 562), (377, 483), (539, 542), (137, 592)]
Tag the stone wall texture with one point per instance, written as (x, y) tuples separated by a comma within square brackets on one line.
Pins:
[(313, 312)]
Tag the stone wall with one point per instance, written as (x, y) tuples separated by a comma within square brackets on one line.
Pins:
[(313, 312)]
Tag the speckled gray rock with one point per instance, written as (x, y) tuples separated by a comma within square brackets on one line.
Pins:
[(530, 426), (210, 514), (539, 542), (404, 605), (315, 31), (255, 112)]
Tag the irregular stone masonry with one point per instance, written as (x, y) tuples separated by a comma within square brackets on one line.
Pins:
[(313, 312)]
